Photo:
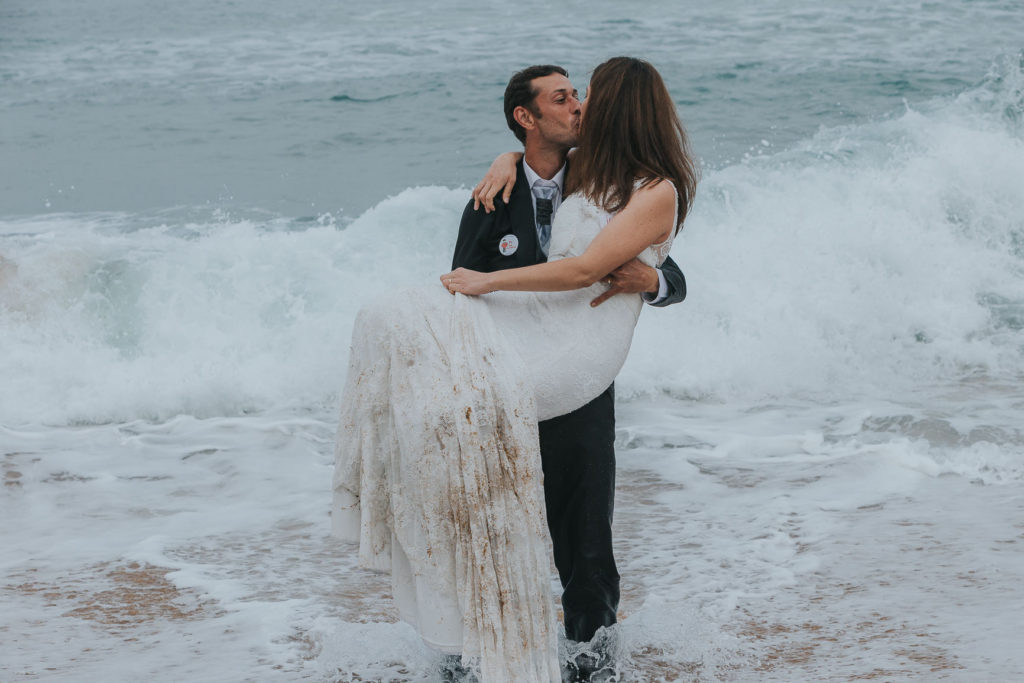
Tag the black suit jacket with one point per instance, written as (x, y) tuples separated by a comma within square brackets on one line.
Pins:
[(480, 234)]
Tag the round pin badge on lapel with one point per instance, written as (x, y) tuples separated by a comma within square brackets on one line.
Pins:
[(508, 245)]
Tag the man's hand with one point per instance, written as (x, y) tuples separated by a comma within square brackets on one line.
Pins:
[(632, 277)]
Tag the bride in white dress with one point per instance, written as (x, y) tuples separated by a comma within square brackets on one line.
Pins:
[(438, 473)]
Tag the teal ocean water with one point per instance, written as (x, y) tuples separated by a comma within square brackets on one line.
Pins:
[(316, 107), (821, 460)]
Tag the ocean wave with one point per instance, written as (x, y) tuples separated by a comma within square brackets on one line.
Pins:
[(884, 254), (868, 259)]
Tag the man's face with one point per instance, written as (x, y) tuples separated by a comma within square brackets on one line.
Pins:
[(558, 110)]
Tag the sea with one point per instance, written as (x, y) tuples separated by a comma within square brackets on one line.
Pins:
[(820, 452)]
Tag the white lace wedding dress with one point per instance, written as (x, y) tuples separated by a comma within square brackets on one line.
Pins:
[(438, 474)]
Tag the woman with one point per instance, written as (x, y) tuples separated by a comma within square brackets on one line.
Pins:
[(438, 471)]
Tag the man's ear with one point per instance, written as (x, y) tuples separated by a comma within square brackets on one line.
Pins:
[(523, 117)]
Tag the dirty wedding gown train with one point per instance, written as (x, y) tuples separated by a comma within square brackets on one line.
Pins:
[(438, 474)]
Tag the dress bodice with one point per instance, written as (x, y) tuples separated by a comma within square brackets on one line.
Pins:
[(577, 223), (539, 323)]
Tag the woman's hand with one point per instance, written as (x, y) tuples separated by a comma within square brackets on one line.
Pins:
[(467, 281), (501, 177)]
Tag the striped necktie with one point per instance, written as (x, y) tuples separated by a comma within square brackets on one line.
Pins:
[(544, 191)]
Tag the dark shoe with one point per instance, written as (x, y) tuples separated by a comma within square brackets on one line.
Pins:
[(594, 662), (593, 667), (453, 671)]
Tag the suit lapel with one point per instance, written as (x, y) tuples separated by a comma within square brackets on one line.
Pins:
[(524, 225)]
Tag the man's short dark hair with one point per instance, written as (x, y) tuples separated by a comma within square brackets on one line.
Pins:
[(520, 93)]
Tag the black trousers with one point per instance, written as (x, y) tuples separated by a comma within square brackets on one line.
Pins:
[(578, 458)]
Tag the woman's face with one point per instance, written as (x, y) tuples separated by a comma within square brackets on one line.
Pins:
[(583, 104)]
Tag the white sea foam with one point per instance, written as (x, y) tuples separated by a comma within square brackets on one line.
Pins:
[(107, 320)]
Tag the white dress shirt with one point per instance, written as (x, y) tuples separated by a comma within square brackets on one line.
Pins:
[(558, 180)]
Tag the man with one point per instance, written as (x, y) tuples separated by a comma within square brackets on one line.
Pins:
[(577, 454)]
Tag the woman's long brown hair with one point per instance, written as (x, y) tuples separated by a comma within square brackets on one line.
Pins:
[(631, 132)]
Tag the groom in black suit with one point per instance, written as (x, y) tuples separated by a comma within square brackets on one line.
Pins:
[(577, 453)]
